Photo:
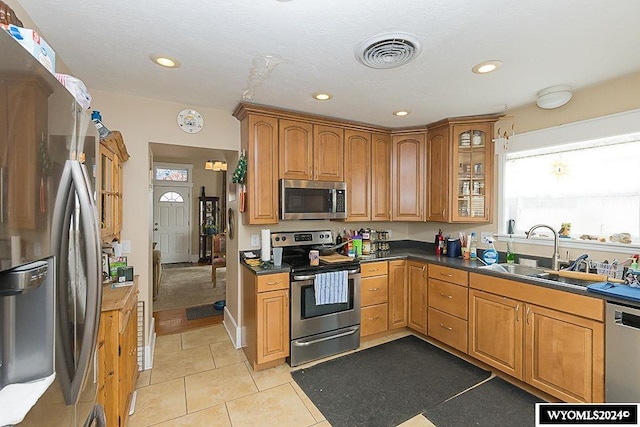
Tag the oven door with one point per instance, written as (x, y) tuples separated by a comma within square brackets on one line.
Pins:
[(307, 318)]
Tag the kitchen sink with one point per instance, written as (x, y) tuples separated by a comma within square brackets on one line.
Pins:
[(521, 270), (534, 272)]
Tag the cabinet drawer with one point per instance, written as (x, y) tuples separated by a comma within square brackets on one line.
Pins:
[(373, 290), (126, 311), (373, 319), (447, 297), (448, 274), (369, 269), (272, 282), (448, 329)]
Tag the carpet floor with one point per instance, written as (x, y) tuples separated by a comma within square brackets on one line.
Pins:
[(411, 375), (182, 287), (495, 403)]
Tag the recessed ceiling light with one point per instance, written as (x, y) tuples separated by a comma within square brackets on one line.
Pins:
[(487, 66), (322, 96), (401, 113), (165, 61)]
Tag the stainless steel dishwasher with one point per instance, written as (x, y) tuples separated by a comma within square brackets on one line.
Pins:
[(622, 378)]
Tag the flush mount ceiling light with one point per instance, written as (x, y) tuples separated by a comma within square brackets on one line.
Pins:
[(388, 50), (487, 66), (322, 96), (554, 97), (401, 113), (165, 61)]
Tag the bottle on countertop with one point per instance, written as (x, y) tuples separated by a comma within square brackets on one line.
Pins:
[(511, 255), (490, 255), (473, 246), (338, 238)]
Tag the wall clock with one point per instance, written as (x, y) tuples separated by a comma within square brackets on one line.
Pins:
[(190, 121)]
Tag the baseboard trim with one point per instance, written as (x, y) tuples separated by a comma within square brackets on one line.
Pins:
[(231, 326)]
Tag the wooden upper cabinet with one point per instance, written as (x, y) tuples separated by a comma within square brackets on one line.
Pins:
[(310, 152), (407, 165), (438, 162), (380, 177), (296, 150), (328, 147), (472, 172), (260, 138), (357, 155)]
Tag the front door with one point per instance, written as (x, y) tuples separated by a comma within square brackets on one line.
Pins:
[(171, 229)]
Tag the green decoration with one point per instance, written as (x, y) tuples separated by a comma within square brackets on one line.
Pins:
[(240, 173)]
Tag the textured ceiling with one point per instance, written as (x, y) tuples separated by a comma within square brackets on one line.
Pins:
[(541, 43)]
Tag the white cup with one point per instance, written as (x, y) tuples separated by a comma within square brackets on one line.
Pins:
[(277, 257)]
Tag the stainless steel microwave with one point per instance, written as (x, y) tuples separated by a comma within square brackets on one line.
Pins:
[(312, 199)]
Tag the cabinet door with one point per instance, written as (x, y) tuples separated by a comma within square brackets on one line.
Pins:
[(575, 373), (473, 160), (496, 331), (273, 325), (417, 282), (328, 153), (380, 177), (407, 177), (117, 196), (296, 150), (106, 193), (438, 186), (357, 155), (262, 170), (27, 118), (397, 294)]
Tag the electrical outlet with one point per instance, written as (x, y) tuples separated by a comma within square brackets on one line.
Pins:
[(486, 235), (255, 240)]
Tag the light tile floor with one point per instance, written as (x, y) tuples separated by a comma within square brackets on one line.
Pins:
[(199, 379)]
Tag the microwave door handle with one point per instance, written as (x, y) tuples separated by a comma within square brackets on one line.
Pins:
[(334, 197)]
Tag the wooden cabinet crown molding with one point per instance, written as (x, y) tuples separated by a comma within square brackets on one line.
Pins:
[(115, 144)]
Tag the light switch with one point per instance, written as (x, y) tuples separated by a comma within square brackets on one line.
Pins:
[(126, 246), (255, 240)]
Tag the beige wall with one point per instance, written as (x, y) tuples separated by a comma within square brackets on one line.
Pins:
[(142, 121)]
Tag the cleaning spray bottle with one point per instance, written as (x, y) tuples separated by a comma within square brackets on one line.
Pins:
[(490, 255)]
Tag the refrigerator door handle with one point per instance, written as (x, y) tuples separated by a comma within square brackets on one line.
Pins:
[(75, 187)]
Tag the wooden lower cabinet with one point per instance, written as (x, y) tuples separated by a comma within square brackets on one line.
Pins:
[(495, 332), (397, 294), (447, 299), (417, 286), (265, 305), (564, 355), (448, 329), (558, 348), (374, 291), (118, 352)]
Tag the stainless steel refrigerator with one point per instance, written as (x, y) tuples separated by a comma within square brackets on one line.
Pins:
[(50, 269)]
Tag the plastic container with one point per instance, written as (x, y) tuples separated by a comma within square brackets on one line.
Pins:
[(511, 255), (473, 246), (490, 255)]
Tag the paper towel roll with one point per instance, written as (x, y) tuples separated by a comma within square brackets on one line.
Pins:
[(265, 245), (15, 251)]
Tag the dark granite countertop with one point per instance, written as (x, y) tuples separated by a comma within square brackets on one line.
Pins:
[(421, 252)]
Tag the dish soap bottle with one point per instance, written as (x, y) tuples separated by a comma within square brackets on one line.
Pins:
[(490, 255), (511, 255)]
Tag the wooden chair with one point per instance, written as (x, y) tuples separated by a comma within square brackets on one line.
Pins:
[(219, 255)]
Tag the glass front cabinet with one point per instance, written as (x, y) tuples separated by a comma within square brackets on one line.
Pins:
[(209, 224), (472, 172), (460, 170)]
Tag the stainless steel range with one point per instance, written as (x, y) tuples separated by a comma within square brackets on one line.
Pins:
[(319, 328)]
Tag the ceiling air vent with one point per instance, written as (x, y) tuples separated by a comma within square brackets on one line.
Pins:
[(388, 50)]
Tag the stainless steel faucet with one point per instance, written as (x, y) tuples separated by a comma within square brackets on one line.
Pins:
[(555, 258)]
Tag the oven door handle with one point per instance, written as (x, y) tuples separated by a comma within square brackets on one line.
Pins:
[(351, 331), (313, 276)]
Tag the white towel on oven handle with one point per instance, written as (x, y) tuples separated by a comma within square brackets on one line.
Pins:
[(332, 287)]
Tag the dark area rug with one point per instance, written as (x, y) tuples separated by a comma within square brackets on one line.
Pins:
[(387, 384), (495, 403), (202, 311)]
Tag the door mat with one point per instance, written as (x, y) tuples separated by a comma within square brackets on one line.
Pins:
[(387, 384), (177, 265), (494, 403), (202, 311)]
